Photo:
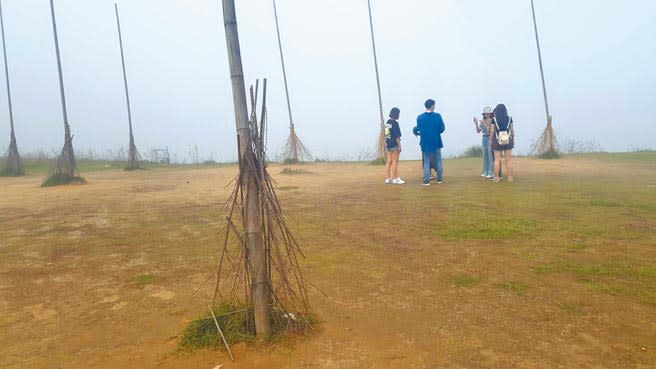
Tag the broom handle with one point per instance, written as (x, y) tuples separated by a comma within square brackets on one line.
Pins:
[(373, 44), (4, 52), (537, 42), (284, 71)]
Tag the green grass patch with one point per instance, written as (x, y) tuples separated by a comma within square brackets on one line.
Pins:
[(606, 288), (609, 269), (473, 152), (294, 171), (481, 228), (571, 308), (237, 324), (288, 188), (62, 179), (518, 288), (617, 279), (379, 161), (145, 279), (605, 204), (466, 280), (578, 246), (549, 155)]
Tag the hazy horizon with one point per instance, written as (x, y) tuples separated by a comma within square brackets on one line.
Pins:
[(464, 54)]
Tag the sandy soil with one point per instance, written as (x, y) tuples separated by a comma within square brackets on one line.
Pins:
[(71, 260)]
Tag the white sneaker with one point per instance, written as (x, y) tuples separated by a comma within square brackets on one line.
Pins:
[(398, 181), (388, 181), (483, 175)]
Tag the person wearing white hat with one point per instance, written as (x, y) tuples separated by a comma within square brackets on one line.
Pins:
[(483, 126)]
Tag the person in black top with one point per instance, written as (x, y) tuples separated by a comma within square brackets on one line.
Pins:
[(503, 140), (393, 147)]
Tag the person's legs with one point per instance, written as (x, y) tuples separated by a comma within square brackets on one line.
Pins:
[(438, 162), (395, 165), (388, 165), (497, 164), (492, 161), (427, 158), (486, 155), (509, 167)]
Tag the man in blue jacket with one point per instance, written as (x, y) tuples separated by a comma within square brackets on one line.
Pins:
[(430, 127)]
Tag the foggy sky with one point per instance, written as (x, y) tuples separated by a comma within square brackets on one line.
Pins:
[(599, 64)]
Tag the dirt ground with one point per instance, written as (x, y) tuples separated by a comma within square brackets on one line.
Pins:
[(557, 270)]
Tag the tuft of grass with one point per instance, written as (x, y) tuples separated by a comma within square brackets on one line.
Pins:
[(62, 179), (291, 161), (470, 228), (378, 161), (570, 308), (617, 279), (606, 288), (288, 188), (145, 279), (549, 155), (475, 151), (237, 324), (518, 288), (467, 280), (294, 171), (610, 269), (605, 203), (7, 173), (578, 246)]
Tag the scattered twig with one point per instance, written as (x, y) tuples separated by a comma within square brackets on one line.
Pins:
[(216, 322)]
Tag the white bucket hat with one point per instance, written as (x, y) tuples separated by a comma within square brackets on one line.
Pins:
[(487, 110)]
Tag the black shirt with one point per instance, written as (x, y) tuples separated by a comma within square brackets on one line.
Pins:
[(392, 133)]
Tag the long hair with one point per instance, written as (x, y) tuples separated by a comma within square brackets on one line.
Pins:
[(501, 115)]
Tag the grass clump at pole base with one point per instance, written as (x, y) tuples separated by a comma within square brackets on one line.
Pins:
[(14, 165), (237, 325), (547, 146)]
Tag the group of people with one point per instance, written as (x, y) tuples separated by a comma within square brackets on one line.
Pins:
[(498, 140)]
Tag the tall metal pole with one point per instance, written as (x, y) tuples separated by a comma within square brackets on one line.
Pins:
[(4, 53), (125, 76), (380, 97), (537, 42), (67, 129), (284, 71), (254, 236)]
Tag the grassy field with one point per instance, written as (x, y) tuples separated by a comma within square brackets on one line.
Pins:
[(556, 270)]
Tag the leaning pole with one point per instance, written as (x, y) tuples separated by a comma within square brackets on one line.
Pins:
[(381, 138), (14, 163), (284, 70), (133, 155), (254, 236), (544, 86)]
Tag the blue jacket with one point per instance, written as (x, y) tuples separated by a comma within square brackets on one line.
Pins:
[(430, 127)]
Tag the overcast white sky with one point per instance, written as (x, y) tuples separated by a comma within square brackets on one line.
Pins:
[(599, 63)]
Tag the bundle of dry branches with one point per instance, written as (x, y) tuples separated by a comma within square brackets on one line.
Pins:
[(134, 159), (287, 287), (14, 165), (65, 171), (546, 145), (294, 150)]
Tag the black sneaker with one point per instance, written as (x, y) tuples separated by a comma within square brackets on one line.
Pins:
[(426, 183), (439, 181)]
